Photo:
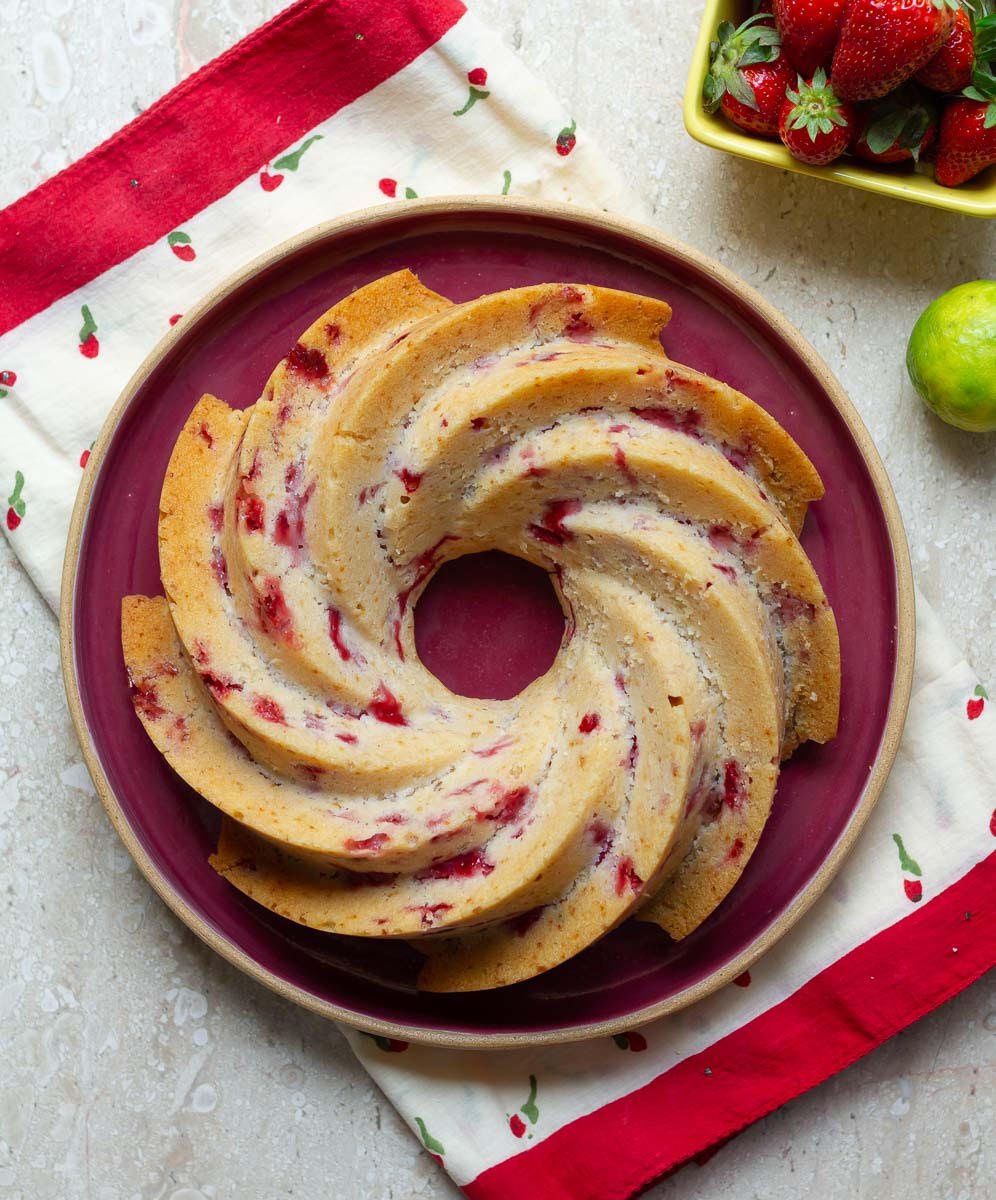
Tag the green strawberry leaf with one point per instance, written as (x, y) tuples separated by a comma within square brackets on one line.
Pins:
[(883, 134), (621, 1040), (410, 194), (740, 89), (984, 37), (983, 85), (758, 54), (291, 162), (712, 92), (734, 49), (178, 238), (981, 691), (901, 119), (506, 177)]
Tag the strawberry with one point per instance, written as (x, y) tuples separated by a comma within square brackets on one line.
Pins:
[(815, 124), (809, 29), (745, 76), (884, 42), (966, 143), (898, 128), (768, 82), (950, 69)]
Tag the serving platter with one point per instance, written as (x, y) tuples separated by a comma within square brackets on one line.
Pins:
[(463, 247)]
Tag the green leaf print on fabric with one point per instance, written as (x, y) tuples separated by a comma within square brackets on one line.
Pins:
[(291, 161), (15, 501), (567, 139), (905, 862), (975, 707), (631, 1040), (89, 346), (912, 887), (473, 95), (529, 1109), (432, 1144), (387, 1044), (179, 242), (517, 1127)]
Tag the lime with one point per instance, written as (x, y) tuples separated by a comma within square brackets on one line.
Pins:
[(951, 356)]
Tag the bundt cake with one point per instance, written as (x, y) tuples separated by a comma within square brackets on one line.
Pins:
[(279, 676)]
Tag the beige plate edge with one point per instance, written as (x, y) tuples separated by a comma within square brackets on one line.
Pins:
[(379, 220)]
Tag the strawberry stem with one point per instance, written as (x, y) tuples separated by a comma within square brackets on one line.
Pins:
[(506, 182), (816, 107)]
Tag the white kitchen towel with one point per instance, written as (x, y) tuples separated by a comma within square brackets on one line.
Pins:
[(333, 106), (464, 115)]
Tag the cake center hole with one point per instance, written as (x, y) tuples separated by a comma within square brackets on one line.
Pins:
[(488, 624)]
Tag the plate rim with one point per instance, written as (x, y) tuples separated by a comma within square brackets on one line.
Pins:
[(379, 218)]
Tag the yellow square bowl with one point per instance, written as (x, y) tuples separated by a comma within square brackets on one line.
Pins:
[(977, 198)]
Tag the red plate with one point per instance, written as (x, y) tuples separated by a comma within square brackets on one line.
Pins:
[(462, 249)]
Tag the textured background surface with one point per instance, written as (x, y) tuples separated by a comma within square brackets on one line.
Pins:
[(136, 1065)]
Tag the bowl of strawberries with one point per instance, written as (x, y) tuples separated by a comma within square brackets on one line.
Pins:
[(892, 96)]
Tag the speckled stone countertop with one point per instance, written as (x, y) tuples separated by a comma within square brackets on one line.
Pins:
[(137, 1065)]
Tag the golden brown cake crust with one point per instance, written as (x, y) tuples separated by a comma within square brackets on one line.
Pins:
[(279, 676)]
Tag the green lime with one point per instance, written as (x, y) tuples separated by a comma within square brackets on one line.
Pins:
[(951, 356)]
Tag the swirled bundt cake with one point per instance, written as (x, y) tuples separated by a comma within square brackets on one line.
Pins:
[(279, 676)]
